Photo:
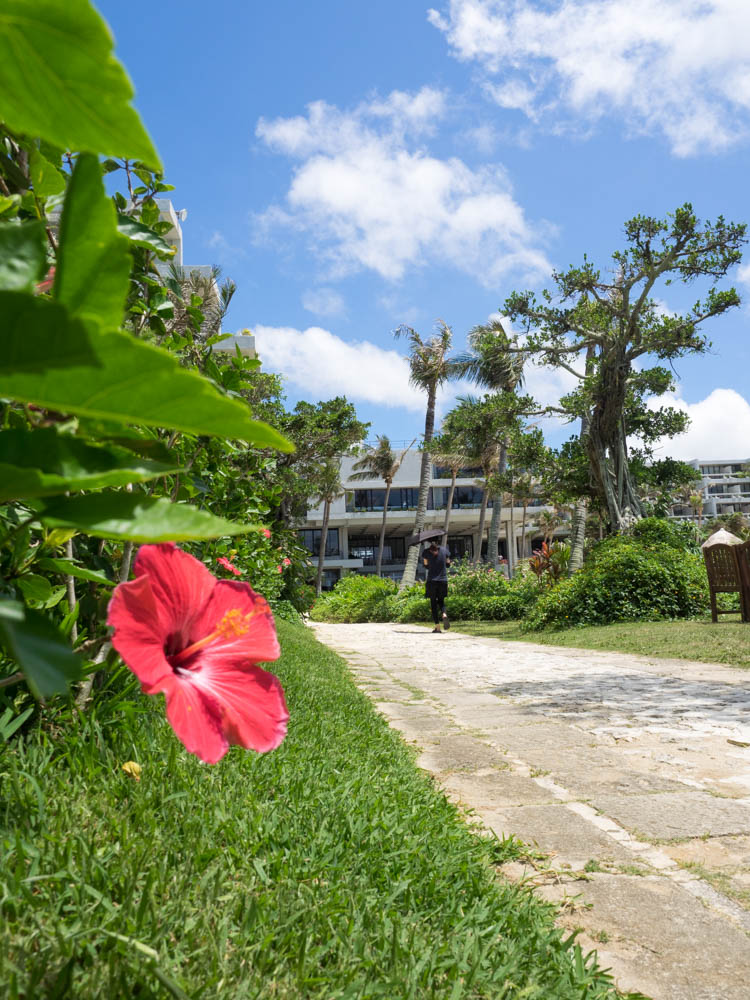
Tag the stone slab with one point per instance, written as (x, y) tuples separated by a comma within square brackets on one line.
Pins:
[(568, 838), (593, 781), (459, 753), (669, 815), (493, 789), (662, 940), (716, 853)]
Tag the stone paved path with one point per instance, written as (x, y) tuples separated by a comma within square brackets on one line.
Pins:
[(627, 777)]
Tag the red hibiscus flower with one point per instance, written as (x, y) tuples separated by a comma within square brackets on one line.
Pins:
[(266, 532), (223, 561), (198, 639), (287, 562)]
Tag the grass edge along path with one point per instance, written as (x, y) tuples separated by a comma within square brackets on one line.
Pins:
[(727, 642), (330, 868)]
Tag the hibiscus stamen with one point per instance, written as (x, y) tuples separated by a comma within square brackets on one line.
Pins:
[(232, 625)]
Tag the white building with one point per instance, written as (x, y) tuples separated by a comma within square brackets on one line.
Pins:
[(356, 518), (724, 488)]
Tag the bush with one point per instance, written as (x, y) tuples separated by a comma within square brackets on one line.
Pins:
[(626, 579), (356, 599), (661, 531), (477, 580), (475, 595)]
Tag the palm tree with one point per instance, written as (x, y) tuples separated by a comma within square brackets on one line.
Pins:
[(329, 489), (525, 490), (549, 521), (429, 367), (215, 298), (449, 452), (380, 463), (494, 363), (696, 502)]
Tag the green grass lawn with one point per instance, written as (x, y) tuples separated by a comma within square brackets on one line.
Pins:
[(726, 642), (331, 868)]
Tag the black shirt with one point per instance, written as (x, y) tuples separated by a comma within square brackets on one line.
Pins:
[(437, 564)]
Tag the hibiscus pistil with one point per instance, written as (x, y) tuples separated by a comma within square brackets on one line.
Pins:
[(233, 625)]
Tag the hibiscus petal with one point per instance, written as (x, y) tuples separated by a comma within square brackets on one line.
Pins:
[(181, 586), (139, 633), (254, 712), (258, 643), (196, 718)]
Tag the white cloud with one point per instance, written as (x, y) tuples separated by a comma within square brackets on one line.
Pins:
[(324, 302), (678, 67), (323, 365), (719, 427), (371, 198)]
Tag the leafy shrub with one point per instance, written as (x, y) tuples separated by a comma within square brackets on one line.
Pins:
[(476, 580), (662, 531), (355, 599), (626, 580), (480, 596), (286, 610)]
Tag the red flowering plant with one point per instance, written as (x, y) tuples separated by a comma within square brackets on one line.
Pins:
[(229, 567), (199, 640)]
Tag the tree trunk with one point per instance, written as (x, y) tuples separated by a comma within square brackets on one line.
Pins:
[(523, 529), (482, 516), (493, 556), (606, 445), (580, 510), (410, 569), (449, 504), (382, 528), (511, 541), (577, 536), (322, 550)]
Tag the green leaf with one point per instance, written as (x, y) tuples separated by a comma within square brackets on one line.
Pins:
[(68, 568), (35, 588), (71, 365), (142, 236), (45, 176), (39, 463), (93, 260), (23, 258), (59, 80), (47, 662), (9, 204), (136, 518)]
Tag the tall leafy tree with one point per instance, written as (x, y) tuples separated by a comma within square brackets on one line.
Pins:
[(329, 489), (494, 362), (430, 365), (380, 462), (450, 451), (615, 323), (476, 423)]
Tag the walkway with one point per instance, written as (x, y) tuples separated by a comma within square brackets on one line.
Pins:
[(628, 777)]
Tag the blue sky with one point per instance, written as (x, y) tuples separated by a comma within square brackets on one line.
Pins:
[(356, 166)]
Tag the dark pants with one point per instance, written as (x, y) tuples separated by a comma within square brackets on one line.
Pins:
[(437, 591)]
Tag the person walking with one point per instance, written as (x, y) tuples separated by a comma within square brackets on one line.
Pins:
[(436, 559)]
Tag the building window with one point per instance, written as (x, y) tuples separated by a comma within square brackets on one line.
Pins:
[(463, 496), (366, 500), (310, 538), (365, 547), (443, 472), (460, 546)]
